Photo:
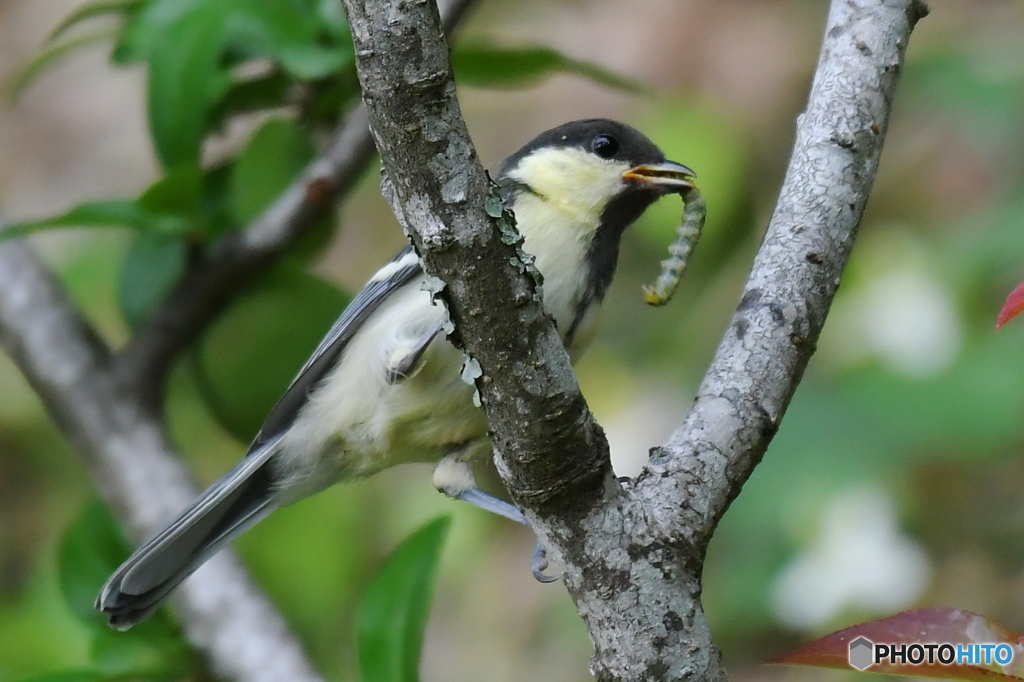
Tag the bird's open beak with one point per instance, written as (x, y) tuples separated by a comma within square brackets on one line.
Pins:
[(667, 176)]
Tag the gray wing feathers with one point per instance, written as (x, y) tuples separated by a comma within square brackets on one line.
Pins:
[(402, 268), (230, 506)]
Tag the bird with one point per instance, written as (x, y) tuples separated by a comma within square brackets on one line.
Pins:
[(383, 387)]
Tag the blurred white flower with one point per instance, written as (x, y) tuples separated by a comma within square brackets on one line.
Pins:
[(905, 317), (860, 560)]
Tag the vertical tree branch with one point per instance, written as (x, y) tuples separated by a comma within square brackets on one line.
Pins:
[(440, 193)]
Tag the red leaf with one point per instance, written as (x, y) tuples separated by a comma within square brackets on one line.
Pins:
[(923, 626), (1013, 306)]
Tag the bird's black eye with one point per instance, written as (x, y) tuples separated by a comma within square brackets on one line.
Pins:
[(605, 146)]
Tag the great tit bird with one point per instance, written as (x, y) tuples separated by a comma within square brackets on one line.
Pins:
[(384, 387)]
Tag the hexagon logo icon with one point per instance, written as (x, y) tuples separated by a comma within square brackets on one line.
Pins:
[(862, 653)]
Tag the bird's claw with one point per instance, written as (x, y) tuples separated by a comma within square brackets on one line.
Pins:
[(539, 564), (478, 498)]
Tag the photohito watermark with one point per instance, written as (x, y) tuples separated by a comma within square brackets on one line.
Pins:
[(864, 653)]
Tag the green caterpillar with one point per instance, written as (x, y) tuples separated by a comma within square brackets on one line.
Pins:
[(687, 234)]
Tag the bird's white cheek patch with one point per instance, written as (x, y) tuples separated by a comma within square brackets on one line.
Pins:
[(576, 181)]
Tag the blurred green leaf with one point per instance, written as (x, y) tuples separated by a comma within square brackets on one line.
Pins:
[(332, 17), (250, 95), (331, 96), (290, 32), (310, 62), (153, 265), (117, 213), (966, 411), (487, 65), (152, 652), (697, 135), (92, 547), (142, 33), (394, 611), (214, 211), (185, 79), (96, 9), (253, 351), (28, 73), (192, 46), (68, 676), (988, 98), (275, 155), (178, 192)]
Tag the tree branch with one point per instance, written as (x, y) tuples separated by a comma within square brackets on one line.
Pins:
[(632, 557), (775, 329), (127, 453), (440, 192), (678, 500)]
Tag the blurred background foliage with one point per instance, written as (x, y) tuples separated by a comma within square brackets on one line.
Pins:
[(893, 482)]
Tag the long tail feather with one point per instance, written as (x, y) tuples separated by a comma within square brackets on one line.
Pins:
[(228, 508)]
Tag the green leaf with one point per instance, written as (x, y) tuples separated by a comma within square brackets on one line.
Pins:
[(486, 65), (339, 93), (214, 212), (289, 32), (117, 213), (253, 94), (250, 355), (96, 9), (91, 549), (394, 611), (28, 73), (275, 155), (717, 150), (185, 80), (178, 192), (153, 265), (192, 46), (182, 41)]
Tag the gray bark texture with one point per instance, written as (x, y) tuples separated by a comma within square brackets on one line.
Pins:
[(631, 554)]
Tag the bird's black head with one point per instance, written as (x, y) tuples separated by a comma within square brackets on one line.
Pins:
[(585, 182), (592, 162), (607, 139)]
